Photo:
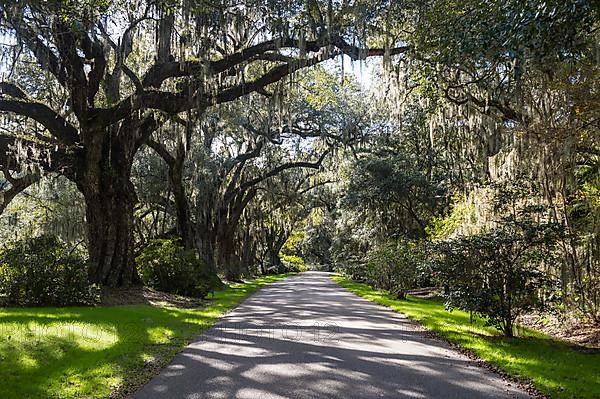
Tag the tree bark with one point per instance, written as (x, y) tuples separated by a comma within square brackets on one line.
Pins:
[(275, 240), (227, 258), (104, 180), (204, 242), (110, 235), (185, 227)]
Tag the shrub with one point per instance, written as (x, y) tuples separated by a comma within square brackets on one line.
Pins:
[(40, 271), (496, 274), (354, 270), (394, 266), (166, 266), (292, 263)]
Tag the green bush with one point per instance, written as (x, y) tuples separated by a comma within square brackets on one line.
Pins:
[(166, 266), (40, 271), (497, 274), (394, 266), (292, 263), (354, 270)]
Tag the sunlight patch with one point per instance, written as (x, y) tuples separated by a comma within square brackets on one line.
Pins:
[(72, 334)]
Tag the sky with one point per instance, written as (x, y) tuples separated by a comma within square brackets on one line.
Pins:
[(362, 70)]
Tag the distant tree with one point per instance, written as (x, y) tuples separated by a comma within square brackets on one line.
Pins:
[(394, 194)]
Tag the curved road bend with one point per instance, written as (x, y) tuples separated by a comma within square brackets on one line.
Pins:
[(307, 337)]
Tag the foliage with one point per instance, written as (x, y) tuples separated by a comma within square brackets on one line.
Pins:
[(584, 212), (394, 266), (51, 207), (393, 192), (540, 30), (100, 352), (554, 367), (166, 266), (318, 238), (497, 274), (443, 226), (293, 263), (356, 271), (291, 247), (41, 271)]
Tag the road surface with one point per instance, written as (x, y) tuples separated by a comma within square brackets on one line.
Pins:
[(307, 337)]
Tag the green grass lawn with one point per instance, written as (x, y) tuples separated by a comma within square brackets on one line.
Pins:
[(555, 368), (89, 352)]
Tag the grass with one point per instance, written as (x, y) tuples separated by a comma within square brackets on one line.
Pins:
[(555, 368), (91, 352)]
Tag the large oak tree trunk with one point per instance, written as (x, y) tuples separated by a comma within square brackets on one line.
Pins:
[(275, 241), (227, 257), (104, 180), (204, 242), (110, 234), (198, 237)]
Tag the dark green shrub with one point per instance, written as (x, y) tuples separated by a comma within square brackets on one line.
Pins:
[(497, 274), (166, 266), (394, 266), (40, 271), (354, 270)]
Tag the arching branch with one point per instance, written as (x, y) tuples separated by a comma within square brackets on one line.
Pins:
[(175, 102), (16, 185), (276, 171), (15, 100)]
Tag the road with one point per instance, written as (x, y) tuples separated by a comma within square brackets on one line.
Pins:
[(307, 337)]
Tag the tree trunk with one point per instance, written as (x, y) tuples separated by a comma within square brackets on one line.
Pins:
[(229, 218), (248, 254), (274, 242), (104, 179), (199, 235), (228, 259), (110, 236), (109, 213), (185, 227), (508, 328), (204, 242), (274, 259)]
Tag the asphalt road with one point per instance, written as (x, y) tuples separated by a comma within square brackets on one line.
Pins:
[(306, 337)]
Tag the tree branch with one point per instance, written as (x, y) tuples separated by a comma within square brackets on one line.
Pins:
[(181, 101), (22, 105), (162, 151), (44, 56), (17, 186), (276, 171)]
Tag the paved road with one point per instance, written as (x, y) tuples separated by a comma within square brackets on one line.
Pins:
[(306, 337)]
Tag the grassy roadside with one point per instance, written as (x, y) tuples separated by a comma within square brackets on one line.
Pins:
[(81, 352), (555, 368)]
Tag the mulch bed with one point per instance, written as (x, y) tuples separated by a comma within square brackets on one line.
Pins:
[(576, 331), (147, 296)]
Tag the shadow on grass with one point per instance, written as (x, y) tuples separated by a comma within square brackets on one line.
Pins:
[(93, 352), (555, 368)]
